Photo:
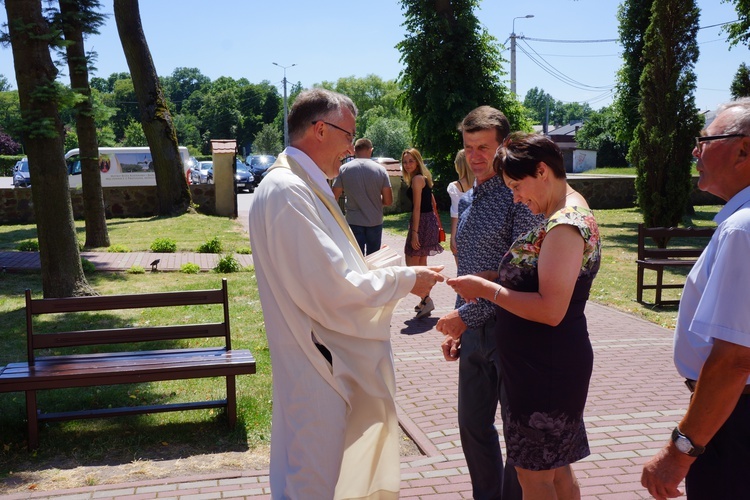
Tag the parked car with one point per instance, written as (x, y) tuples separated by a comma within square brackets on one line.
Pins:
[(258, 165), (190, 165), (199, 174), (21, 174), (243, 178)]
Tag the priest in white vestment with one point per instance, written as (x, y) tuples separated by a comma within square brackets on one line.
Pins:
[(327, 317)]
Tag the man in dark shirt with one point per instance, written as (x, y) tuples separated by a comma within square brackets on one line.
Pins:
[(488, 223)]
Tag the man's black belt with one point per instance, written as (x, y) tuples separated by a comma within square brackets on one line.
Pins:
[(692, 383)]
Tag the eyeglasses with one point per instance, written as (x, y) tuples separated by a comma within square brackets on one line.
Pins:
[(707, 138), (348, 134)]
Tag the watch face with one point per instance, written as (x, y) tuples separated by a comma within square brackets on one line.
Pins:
[(683, 444)]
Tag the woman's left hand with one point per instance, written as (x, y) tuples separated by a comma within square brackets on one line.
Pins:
[(469, 287)]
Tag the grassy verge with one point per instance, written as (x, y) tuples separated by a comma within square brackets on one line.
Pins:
[(137, 234)]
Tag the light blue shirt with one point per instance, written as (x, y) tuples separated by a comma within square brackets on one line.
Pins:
[(716, 301)]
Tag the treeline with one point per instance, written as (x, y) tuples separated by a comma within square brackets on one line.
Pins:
[(202, 110)]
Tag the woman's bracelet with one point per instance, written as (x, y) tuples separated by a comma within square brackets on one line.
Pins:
[(494, 297)]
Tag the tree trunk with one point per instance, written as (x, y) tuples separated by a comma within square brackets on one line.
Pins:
[(91, 179), (171, 185), (62, 275)]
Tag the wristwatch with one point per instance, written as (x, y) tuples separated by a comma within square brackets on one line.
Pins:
[(685, 445)]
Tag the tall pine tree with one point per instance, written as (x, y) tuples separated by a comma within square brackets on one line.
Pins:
[(663, 142)]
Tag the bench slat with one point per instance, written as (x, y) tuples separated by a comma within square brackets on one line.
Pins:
[(87, 371), (115, 302), (126, 335)]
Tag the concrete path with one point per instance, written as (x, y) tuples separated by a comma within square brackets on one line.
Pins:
[(635, 399)]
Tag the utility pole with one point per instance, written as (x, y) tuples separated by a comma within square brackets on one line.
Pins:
[(286, 125), (513, 53)]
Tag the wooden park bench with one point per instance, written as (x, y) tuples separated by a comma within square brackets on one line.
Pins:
[(662, 247), (58, 367)]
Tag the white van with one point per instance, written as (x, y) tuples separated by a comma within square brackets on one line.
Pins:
[(121, 166)]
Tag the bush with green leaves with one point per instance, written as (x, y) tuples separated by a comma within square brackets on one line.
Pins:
[(28, 246), (211, 246), (118, 249), (190, 268), (136, 269), (164, 245), (87, 265), (244, 251), (228, 264)]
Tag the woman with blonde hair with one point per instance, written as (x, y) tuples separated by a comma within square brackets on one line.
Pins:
[(456, 190), (423, 239)]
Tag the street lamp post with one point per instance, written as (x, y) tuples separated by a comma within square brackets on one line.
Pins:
[(513, 53), (286, 125)]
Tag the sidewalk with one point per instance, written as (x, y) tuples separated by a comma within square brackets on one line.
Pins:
[(635, 399)]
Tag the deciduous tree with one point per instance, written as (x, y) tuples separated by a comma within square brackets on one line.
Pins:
[(740, 86), (30, 37), (79, 18), (451, 65), (171, 185)]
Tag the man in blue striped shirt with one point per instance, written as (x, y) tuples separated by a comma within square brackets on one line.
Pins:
[(488, 223)]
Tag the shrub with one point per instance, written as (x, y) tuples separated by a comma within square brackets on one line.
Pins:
[(228, 264), (136, 269), (190, 268), (244, 251), (164, 245), (28, 246), (87, 265), (118, 249), (211, 246)]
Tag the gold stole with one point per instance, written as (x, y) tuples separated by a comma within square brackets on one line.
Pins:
[(284, 161)]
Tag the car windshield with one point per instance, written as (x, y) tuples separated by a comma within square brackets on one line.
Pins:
[(24, 166), (262, 161), (205, 165), (241, 167)]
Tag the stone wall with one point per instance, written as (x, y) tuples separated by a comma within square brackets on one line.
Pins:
[(17, 207)]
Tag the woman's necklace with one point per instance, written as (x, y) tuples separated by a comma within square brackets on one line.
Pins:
[(561, 202)]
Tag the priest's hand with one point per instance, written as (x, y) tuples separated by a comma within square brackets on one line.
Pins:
[(427, 276)]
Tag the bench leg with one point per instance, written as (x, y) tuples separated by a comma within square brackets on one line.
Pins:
[(659, 277), (231, 401), (32, 420), (639, 285)]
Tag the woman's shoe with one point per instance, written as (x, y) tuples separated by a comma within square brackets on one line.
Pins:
[(428, 307), (419, 306)]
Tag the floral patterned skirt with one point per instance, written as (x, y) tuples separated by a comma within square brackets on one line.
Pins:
[(545, 374), (429, 238)]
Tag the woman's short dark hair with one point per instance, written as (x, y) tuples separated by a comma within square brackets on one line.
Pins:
[(520, 153)]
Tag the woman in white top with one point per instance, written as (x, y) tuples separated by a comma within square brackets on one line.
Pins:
[(456, 190)]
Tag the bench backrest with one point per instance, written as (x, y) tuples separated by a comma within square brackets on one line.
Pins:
[(661, 236), (35, 307)]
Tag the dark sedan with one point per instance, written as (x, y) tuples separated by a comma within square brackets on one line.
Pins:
[(258, 164)]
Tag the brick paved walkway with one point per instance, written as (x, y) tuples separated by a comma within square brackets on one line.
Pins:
[(636, 398)]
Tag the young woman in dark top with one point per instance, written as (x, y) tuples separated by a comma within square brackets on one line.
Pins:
[(423, 239)]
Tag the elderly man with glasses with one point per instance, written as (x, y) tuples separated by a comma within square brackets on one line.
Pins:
[(327, 315), (710, 447)]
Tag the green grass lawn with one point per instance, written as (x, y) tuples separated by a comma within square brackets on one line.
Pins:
[(173, 435)]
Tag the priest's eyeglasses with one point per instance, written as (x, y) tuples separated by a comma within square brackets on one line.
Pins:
[(707, 138), (349, 135)]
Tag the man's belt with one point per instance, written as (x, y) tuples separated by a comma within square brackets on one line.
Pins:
[(692, 383)]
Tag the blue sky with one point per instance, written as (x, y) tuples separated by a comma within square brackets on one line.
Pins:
[(330, 39)]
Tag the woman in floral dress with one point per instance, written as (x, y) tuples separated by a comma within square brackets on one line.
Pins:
[(542, 286)]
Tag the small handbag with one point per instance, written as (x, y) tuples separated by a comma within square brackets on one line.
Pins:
[(441, 231)]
